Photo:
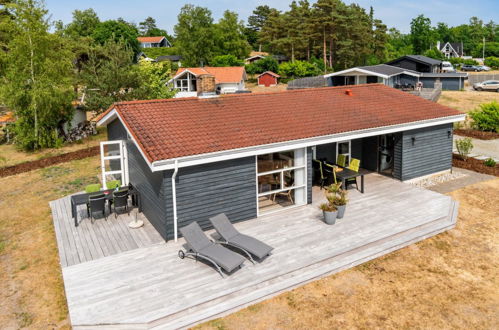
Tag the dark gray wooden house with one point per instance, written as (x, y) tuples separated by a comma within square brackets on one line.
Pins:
[(417, 63), (196, 157)]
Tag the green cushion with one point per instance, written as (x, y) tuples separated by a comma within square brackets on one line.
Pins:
[(92, 188), (113, 184)]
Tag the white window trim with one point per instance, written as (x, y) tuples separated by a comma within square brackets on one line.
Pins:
[(349, 154), (123, 157), (294, 187)]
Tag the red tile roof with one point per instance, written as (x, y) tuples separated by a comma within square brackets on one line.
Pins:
[(167, 129), (227, 74), (150, 39)]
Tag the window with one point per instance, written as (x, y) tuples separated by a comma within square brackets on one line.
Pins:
[(186, 83), (344, 148), (281, 179)]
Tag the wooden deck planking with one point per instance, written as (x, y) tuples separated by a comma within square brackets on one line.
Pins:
[(152, 286), (101, 239)]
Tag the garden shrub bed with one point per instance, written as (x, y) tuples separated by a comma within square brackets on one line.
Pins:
[(49, 161), (474, 164), (476, 134)]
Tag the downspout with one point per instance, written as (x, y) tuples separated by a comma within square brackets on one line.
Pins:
[(174, 198)]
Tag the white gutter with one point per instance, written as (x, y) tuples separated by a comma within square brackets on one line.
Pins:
[(199, 159), (174, 199)]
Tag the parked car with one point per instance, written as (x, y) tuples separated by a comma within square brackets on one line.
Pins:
[(447, 67), (467, 67), (484, 68), (487, 85)]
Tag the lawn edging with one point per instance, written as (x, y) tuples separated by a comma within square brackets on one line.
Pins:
[(476, 134), (49, 161), (475, 165)]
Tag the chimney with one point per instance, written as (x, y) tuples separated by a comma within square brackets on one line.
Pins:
[(348, 92), (205, 85)]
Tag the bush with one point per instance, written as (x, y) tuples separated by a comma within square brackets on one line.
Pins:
[(265, 64), (470, 62), (489, 162), (492, 61), (434, 53), (487, 117), (226, 60), (298, 69), (464, 147), (155, 52)]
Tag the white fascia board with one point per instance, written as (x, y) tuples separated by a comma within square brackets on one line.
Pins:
[(181, 73), (107, 118), (407, 73), (169, 164), (339, 73), (112, 115)]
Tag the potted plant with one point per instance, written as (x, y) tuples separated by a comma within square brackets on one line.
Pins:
[(329, 210), (340, 198)]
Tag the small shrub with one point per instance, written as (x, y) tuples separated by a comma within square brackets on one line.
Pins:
[(268, 63), (492, 62), (486, 118), (464, 147), (489, 162), (298, 69)]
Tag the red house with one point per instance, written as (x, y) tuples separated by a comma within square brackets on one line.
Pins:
[(268, 78)]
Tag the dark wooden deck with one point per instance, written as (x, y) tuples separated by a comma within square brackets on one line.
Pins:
[(101, 239)]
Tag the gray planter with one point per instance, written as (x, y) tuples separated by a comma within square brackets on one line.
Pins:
[(341, 210), (330, 217)]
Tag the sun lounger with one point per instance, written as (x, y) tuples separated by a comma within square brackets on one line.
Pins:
[(230, 236), (200, 246)]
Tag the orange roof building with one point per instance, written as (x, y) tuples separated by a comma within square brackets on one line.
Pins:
[(227, 80)]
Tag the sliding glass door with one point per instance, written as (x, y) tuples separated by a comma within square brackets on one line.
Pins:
[(281, 180)]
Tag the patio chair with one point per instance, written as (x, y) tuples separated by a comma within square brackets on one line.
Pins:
[(354, 166), (231, 237), (120, 200), (199, 246), (319, 170), (341, 160), (96, 203), (332, 171)]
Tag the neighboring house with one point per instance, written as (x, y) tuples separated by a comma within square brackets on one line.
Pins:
[(226, 80), (255, 56), (451, 49), (194, 158), (268, 79), (386, 74), (417, 63), (153, 42), (176, 59), (396, 77), (143, 56)]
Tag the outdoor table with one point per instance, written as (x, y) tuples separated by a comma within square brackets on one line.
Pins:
[(346, 173), (82, 199)]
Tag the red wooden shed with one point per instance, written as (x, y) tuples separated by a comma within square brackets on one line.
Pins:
[(268, 78)]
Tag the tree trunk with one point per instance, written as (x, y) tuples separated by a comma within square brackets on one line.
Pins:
[(292, 52), (331, 52), (32, 72), (324, 49)]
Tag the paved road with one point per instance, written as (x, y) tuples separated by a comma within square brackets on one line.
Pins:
[(485, 148)]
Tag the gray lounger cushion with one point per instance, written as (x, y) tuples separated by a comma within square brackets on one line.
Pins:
[(230, 234), (199, 243)]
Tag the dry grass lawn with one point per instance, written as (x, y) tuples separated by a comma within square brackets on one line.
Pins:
[(450, 281), (11, 155), (466, 100), (31, 288), (254, 88)]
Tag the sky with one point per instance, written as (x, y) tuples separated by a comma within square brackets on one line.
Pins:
[(394, 13)]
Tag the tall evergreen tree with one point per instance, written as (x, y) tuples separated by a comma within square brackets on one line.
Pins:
[(229, 36), (421, 34)]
